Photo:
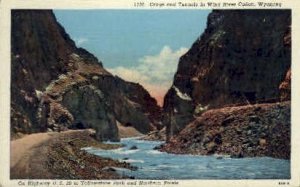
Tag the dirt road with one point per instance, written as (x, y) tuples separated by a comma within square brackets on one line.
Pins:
[(22, 147), (58, 155)]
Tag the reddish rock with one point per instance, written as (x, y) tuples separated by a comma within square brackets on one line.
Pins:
[(285, 87)]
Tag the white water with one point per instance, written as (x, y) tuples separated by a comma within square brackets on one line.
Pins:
[(153, 164)]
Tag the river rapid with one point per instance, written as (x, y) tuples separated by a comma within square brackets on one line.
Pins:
[(153, 164)]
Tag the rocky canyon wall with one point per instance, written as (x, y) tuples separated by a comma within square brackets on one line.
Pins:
[(243, 57), (56, 85)]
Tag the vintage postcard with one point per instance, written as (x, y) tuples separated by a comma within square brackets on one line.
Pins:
[(149, 93)]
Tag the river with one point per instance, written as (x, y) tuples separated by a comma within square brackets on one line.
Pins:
[(153, 164)]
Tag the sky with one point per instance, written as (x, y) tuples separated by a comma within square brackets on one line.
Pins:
[(141, 46)]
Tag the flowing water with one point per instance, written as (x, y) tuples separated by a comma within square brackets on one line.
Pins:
[(153, 164)]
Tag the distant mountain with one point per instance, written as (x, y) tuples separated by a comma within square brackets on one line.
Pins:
[(57, 86)]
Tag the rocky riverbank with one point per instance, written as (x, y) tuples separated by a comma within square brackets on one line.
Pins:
[(157, 135), (60, 156), (240, 131)]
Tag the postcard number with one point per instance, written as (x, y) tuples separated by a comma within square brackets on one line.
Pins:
[(283, 183), (139, 4)]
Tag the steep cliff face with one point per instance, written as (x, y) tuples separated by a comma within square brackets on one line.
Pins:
[(30, 59), (131, 103), (55, 85), (242, 57)]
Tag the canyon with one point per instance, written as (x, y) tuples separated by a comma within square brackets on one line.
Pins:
[(231, 94)]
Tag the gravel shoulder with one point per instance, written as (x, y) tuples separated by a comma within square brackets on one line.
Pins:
[(58, 155)]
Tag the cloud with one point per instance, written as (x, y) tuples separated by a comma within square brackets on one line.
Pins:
[(129, 74), (80, 41), (154, 72)]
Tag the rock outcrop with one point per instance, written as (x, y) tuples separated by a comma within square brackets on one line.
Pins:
[(156, 135), (285, 87), (57, 86), (243, 57), (240, 131)]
